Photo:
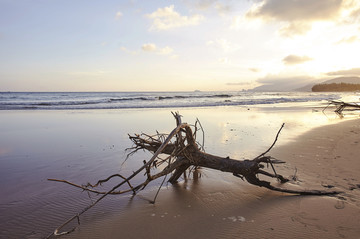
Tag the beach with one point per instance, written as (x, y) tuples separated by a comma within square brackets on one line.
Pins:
[(84, 146), (261, 99)]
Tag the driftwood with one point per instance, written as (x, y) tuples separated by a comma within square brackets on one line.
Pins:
[(183, 152), (341, 105)]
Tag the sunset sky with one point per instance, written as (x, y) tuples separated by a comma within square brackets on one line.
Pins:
[(124, 45)]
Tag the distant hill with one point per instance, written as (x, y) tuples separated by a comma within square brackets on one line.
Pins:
[(338, 84), (286, 85), (348, 80), (303, 86), (336, 87), (306, 88)]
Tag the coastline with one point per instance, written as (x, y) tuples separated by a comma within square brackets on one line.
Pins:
[(88, 145)]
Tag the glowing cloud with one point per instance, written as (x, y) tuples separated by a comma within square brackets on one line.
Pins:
[(222, 9), (206, 5), (149, 47), (254, 70), (167, 18), (349, 72), (298, 15), (290, 11), (294, 60), (295, 28), (348, 40)]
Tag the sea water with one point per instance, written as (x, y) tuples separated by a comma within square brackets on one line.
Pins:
[(126, 100)]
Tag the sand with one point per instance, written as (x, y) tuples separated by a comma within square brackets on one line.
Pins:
[(217, 206), (88, 145)]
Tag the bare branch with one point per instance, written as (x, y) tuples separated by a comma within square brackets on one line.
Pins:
[(183, 152)]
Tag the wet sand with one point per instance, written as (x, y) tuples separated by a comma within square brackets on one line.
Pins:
[(84, 146), (220, 206)]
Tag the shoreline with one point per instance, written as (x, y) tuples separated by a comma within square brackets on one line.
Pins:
[(86, 146)]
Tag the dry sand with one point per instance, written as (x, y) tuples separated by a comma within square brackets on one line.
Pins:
[(220, 206)]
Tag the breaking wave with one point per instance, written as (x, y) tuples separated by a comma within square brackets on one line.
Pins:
[(125, 100)]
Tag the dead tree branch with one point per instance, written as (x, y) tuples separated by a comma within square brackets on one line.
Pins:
[(341, 105), (182, 152)]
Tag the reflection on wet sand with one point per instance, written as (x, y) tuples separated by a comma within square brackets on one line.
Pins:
[(89, 145)]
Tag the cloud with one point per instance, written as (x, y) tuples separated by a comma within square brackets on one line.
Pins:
[(167, 18), (165, 51), (349, 72), (353, 8), (348, 40), (222, 9), (118, 15), (149, 47), (355, 14), (240, 83), (205, 5), (199, 4), (241, 22), (254, 70), (295, 28), (237, 21), (124, 49), (297, 15), (295, 10), (295, 60)]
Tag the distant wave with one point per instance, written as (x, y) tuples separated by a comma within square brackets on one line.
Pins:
[(130, 98), (124, 100), (173, 97)]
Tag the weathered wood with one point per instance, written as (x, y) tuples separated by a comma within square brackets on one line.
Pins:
[(341, 105), (182, 151)]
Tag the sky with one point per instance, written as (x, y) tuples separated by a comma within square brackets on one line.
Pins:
[(183, 45)]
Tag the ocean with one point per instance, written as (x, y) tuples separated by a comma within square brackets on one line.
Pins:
[(128, 100)]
